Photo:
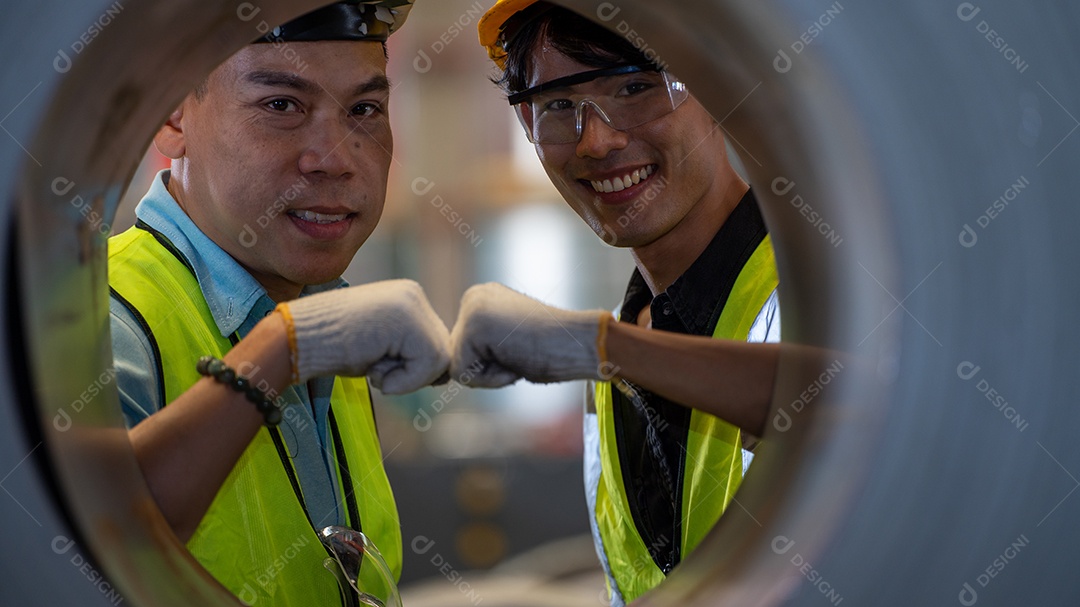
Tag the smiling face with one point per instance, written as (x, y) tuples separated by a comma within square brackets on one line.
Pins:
[(642, 185), (284, 163)]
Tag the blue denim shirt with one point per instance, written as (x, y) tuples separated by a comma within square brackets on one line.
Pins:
[(237, 302)]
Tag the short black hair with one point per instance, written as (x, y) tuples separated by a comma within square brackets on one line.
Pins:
[(569, 33)]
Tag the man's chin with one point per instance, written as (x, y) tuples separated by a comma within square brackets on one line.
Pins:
[(317, 273), (320, 278), (316, 267), (617, 236)]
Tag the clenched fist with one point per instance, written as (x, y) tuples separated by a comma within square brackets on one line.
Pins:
[(385, 330), (501, 336)]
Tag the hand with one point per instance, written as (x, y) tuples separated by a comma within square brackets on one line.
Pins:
[(501, 336), (384, 330)]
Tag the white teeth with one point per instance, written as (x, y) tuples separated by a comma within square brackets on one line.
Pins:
[(619, 184), (317, 217)]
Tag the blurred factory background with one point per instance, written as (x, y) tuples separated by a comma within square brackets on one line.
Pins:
[(485, 480)]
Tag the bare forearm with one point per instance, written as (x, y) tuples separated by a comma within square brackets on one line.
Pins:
[(731, 380), (187, 449)]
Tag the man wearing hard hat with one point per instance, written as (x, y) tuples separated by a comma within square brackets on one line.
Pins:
[(645, 166), (228, 307)]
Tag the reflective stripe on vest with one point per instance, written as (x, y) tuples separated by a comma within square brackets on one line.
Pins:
[(713, 466), (255, 538)]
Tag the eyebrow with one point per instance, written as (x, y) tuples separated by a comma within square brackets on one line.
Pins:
[(377, 83), (281, 79), (289, 80)]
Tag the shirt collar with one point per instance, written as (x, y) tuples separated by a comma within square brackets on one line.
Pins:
[(698, 296), (230, 291)]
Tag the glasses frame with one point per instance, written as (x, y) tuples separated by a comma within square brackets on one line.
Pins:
[(517, 99), (348, 548)]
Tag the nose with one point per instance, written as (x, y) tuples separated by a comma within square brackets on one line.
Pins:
[(329, 147), (598, 138)]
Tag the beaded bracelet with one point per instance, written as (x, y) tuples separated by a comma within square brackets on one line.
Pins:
[(215, 367)]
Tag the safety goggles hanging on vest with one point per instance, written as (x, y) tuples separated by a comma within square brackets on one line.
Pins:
[(624, 97), (349, 548)]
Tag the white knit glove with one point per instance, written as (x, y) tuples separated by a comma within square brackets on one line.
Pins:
[(384, 330), (501, 336)]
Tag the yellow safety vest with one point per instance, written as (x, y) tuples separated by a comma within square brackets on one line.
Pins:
[(256, 538), (713, 461)]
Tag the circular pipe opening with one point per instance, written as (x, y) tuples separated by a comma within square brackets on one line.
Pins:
[(785, 125)]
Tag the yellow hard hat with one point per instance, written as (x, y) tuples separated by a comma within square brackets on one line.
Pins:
[(491, 25)]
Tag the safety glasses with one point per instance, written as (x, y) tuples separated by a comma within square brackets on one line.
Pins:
[(624, 97), (357, 562)]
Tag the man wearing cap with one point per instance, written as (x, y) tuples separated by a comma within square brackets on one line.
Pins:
[(645, 166), (228, 307)]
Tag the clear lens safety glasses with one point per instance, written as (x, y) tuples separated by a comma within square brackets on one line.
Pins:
[(624, 97), (362, 574)]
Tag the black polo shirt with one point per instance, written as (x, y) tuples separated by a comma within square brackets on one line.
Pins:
[(651, 432)]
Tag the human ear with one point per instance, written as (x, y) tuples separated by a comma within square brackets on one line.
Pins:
[(169, 140)]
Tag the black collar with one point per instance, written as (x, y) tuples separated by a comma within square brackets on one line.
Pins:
[(692, 304)]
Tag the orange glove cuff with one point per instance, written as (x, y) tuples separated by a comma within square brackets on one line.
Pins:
[(601, 337), (290, 331)]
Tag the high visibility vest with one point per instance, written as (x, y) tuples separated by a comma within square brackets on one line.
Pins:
[(256, 538), (713, 462)]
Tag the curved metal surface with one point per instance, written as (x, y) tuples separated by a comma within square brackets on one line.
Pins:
[(913, 163), (104, 74)]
